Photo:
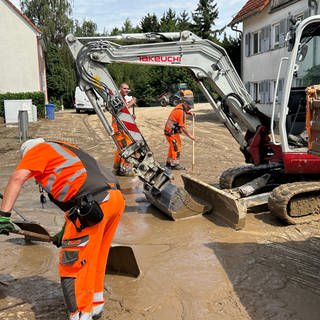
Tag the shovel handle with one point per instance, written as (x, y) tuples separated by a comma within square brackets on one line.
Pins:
[(33, 235)]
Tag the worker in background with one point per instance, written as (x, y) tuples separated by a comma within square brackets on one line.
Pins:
[(120, 166), (93, 205), (175, 125)]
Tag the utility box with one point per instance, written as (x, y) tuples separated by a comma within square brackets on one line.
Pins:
[(12, 108)]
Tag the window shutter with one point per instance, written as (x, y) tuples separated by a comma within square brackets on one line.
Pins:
[(262, 91), (267, 92), (247, 86), (247, 44), (268, 37), (282, 35), (262, 39)]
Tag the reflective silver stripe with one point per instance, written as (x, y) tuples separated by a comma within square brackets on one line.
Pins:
[(76, 242), (50, 182), (70, 160), (64, 192), (77, 174)]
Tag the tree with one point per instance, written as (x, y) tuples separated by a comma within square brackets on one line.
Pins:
[(204, 16), (50, 16), (233, 48), (149, 23), (87, 29), (127, 27), (184, 21), (168, 22)]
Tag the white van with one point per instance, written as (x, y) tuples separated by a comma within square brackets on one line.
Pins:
[(81, 101)]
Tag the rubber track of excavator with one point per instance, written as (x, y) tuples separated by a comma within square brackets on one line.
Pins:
[(228, 177), (281, 198)]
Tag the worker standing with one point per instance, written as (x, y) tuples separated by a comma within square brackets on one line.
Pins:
[(93, 205), (175, 125), (120, 166)]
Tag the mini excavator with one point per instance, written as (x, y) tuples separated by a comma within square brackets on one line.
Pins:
[(282, 170)]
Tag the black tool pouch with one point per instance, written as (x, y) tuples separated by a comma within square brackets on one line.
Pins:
[(90, 211)]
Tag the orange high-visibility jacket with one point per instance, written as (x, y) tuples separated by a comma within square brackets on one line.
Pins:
[(65, 172), (176, 121)]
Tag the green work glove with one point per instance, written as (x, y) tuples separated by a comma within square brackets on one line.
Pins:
[(6, 226), (57, 239)]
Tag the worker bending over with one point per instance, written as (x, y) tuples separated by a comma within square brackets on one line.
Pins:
[(175, 125), (93, 206)]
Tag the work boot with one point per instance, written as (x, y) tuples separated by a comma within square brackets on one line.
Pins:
[(81, 316), (97, 311), (168, 165), (178, 167)]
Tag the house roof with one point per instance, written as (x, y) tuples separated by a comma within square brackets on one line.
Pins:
[(250, 8), (24, 17)]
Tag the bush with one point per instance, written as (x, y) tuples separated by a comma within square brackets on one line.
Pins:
[(36, 97)]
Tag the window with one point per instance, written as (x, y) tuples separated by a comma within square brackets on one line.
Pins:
[(276, 35), (256, 42)]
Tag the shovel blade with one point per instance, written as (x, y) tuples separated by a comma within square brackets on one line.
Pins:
[(223, 203), (175, 202), (122, 261), (32, 227)]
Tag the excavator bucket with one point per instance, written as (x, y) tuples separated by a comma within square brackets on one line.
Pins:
[(176, 202), (226, 204)]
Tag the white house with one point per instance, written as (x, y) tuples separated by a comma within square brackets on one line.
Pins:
[(265, 24), (22, 64)]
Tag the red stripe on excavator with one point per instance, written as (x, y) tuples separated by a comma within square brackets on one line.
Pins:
[(131, 126), (301, 162)]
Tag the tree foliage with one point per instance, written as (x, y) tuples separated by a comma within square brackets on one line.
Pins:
[(204, 18), (150, 23), (88, 28), (52, 17)]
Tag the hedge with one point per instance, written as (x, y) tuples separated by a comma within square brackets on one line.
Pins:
[(36, 97)]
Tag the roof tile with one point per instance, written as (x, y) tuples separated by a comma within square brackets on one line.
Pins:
[(251, 7)]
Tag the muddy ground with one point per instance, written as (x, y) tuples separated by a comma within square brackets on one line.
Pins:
[(195, 269)]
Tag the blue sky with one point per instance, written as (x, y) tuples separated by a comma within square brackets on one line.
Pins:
[(112, 13)]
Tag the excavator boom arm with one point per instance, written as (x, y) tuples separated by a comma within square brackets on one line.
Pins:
[(205, 59)]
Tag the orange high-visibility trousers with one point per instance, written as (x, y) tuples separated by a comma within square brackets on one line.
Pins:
[(123, 141), (174, 148), (84, 255)]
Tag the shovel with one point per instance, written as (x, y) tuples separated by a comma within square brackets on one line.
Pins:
[(28, 226), (121, 259)]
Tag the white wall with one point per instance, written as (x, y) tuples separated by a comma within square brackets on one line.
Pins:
[(19, 66)]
